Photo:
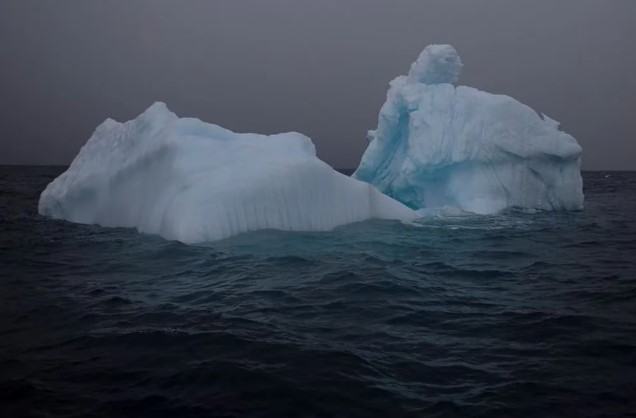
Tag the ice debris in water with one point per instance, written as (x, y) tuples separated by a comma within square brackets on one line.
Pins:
[(437, 145), (191, 181)]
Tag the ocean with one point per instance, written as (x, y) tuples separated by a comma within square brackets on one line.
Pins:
[(514, 315)]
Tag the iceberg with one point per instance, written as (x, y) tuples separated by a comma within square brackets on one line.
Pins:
[(438, 145), (190, 181)]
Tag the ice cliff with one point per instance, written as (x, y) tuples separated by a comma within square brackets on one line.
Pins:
[(437, 145)]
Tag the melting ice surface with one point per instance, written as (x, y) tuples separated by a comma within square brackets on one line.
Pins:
[(191, 181), (437, 145)]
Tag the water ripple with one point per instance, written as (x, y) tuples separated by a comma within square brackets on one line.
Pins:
[(520, 314)]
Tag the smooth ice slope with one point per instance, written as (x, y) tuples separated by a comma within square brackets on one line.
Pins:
[(191, 181), (438, 145)]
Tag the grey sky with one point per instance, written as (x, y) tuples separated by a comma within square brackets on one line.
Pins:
[(320, 67)]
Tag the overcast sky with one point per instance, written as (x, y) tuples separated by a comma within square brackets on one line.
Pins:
[(320, 67)]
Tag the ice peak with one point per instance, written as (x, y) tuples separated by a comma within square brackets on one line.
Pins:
[(437, 146), (437, 64), (157, 108), (157, 113)]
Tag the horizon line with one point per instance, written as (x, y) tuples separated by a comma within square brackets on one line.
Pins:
[(335, 168)]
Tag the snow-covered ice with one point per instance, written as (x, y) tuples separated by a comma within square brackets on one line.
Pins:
[(437, 145), (191, 181)]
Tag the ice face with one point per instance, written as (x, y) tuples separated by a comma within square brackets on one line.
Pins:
[(437, 145), (191, 181)]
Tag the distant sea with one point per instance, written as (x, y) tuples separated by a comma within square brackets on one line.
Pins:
[(513, 315)]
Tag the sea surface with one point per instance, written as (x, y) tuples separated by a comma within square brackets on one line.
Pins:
[(514, 315)]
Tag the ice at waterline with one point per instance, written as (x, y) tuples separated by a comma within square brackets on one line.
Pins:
[(436, 145), (191, 181)]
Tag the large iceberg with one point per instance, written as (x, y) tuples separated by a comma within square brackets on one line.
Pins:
[(191, 181), (437, 145)]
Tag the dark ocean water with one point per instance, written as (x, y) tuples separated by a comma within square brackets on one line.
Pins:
[(516, 315)]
